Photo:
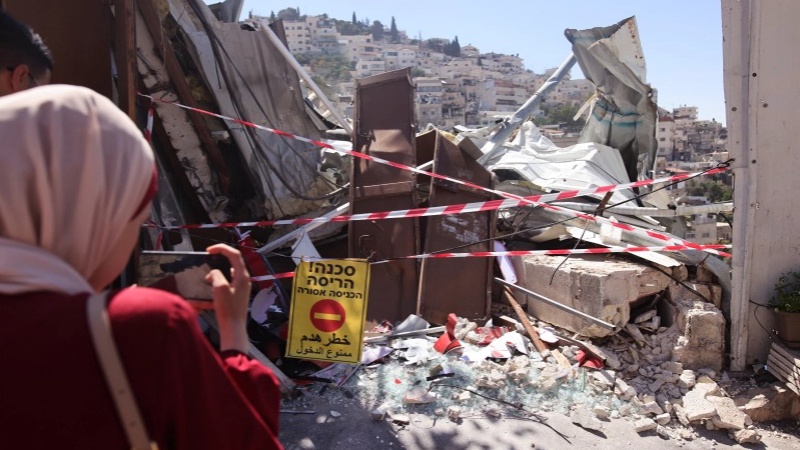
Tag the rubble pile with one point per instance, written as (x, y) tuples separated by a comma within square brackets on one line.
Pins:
[(642, 374)]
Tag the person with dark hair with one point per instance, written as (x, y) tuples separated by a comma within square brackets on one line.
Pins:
[(25, 60)]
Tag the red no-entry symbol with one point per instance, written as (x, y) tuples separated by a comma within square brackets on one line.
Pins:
[(327, 315)]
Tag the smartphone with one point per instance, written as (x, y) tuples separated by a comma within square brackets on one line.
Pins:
[(182, 273)]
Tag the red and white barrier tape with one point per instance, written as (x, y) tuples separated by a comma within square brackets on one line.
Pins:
[(490, 205), (148, 131), (523, 200), (715, 248)]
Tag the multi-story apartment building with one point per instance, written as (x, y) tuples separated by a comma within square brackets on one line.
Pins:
[(501, 95)]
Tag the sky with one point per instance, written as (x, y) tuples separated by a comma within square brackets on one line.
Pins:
[(681, 39)]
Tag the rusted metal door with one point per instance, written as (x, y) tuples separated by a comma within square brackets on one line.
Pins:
[(456, 285), (384, 114)]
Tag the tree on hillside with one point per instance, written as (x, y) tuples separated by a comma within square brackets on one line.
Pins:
[(289, 14), (355, 22), (394, 35), (272, 16), (377, 30), (562, 115), (453, 48)]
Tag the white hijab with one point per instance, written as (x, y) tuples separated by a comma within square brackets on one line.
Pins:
[(73, 171)]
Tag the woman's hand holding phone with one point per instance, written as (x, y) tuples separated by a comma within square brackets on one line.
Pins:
[(231, 298)]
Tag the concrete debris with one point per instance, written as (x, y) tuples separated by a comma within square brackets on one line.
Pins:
[(728, 415), (419, 395), (663, 419), (643, 425), (401, 419), (454, 413), (601, 412), (645, 317), (584, 417), (702, 340), (600, 287), (652, 408), (378, 414), (746, 436), (772, 403), (336, 414), (663, 432)]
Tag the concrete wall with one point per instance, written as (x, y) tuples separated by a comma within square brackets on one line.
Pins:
[(762, 92)]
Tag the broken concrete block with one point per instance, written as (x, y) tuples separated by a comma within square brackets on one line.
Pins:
[(680, 414), (623, 390), (687, 379), (336, 414), (635, 333), (652, 408), (625, 410), (645, 317), (746, 436), (643, 425), (663, 432), (655, 385), (673, 366), (604, 378), (601, 412), (772, 403), (378, 414), (585, 418), (462, 396), (728, 415), (695, 404), (663, 419), (401, 419), (454, 413), (702, 328), (596, 285)]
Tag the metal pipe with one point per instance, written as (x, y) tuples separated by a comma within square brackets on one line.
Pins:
[(307, 78), (525, 111), (652, 212), (558, 305)]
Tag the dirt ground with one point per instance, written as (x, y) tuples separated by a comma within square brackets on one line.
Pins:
[(342, 422)]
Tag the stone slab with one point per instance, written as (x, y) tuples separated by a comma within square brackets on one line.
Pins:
[(597, 285)]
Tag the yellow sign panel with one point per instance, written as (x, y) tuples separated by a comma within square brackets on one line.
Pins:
[(329, 305)]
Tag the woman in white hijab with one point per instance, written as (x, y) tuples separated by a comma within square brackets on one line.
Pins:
[(76, 179)]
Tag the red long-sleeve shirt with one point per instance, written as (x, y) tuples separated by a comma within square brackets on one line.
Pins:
[(53, 393)]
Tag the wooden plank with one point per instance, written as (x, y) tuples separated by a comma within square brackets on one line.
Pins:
[(790, 355), (287, 386), (541, 347), (783, 373), (124, 37)]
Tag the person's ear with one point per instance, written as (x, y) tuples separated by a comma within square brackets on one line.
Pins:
[(20, 78)]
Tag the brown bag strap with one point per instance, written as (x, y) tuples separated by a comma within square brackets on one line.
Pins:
[(100, 328)]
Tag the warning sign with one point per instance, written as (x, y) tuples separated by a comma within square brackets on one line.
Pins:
[(329, 304)]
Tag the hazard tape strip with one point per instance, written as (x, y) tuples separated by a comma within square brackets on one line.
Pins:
[(490, 205), (716, 248), (598, 219), (148, 131)]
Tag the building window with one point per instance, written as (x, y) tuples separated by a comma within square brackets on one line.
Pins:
[(705, 235)]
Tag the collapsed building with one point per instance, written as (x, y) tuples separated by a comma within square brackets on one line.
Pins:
[(250, 153)]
